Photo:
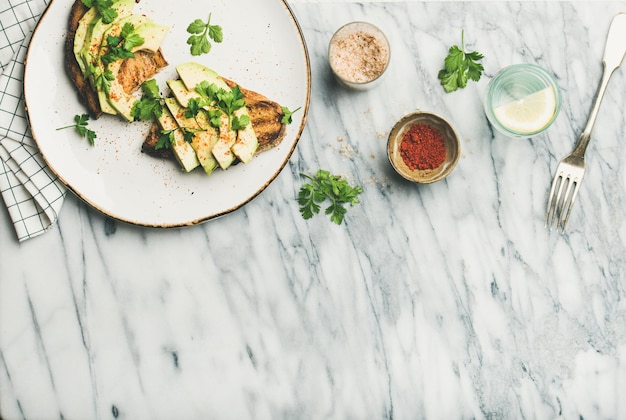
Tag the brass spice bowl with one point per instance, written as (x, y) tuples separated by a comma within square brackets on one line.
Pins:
[(450, 139)]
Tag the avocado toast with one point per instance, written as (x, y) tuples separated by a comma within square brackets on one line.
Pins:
[(213, 146), (84, 50), (108, 57)]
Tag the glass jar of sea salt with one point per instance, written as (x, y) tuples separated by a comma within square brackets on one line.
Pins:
[(358, 55)]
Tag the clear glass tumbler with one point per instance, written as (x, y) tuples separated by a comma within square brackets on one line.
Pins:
[(522, 100)]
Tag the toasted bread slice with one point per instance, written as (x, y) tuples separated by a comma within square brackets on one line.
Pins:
[(265, 117), (133, 71), (149, 144)]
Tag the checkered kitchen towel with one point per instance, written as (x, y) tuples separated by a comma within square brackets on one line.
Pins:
[(32, 193)]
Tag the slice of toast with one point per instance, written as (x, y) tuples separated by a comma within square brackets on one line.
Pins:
[(133, 71), (265, 117)]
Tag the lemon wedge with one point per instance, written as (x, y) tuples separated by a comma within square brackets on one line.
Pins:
[(529, 114)]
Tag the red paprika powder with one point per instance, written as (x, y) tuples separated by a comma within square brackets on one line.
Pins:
[(422, 147)]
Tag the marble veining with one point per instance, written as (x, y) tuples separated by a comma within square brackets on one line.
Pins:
[(439, 301)]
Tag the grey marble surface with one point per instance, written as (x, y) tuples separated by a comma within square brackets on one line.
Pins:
[(443, 301)]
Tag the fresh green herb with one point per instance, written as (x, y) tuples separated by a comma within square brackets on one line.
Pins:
[(287, 115), (103, 80), (215, 117), (100, 78), (239, 123), (206, 90), (104, 8), (130, 37), (200, 34), (80, 124), (324, 186), (459, 67), (120, 47), (149, 106), (151, 89), (219, 101), (168, 137), (193, 108)]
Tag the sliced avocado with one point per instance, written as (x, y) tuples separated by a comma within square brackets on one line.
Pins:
[(183, 151), (193, 73), (242, 144), (181, 93), (247, 142), (115, 28), (105, 104), (153, 35), (222, 149), (121, 101), (205, 135), (91, 46), (93, 41), (83, 30)]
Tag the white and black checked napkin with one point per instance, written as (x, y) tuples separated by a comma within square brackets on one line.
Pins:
[(32, 193)]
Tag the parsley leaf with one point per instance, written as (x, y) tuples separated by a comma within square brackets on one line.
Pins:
[(168, 137), (104, 8), (127, 29), (206, 90), (149, 106), (460, 67), (165, 140), (103, 80), (188, 134), (229, 101), (215, 117), (200, 34), (308, 202), (219, 101), (80, 124), (151, 89), (120, 47), (239, 123), (324, 186), (287, 115), (193, 108)]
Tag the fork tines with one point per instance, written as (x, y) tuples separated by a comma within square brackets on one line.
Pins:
[(560, 203)]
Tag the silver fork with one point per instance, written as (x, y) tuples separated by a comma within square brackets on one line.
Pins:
[(570, 171)]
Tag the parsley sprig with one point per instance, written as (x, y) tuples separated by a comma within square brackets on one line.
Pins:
[(200, 34), (324, 186), (101, 78), (120, 47), (168, 137), (80, 124), (104, 7), (459, 67), (287, 115), (150, 105), (218, 101)]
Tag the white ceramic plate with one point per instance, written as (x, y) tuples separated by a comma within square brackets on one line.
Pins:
[(263, 50)]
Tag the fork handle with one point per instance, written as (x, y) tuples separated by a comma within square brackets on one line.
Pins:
[(614, 52)]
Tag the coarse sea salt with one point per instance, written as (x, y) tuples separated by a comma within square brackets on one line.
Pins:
[(358, 53)]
